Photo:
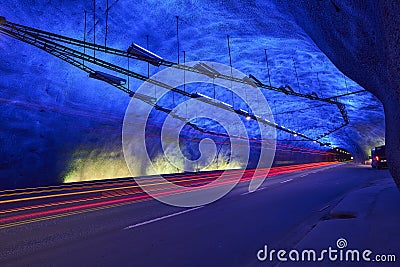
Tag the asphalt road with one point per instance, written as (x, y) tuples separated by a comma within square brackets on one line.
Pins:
[(228, 232)]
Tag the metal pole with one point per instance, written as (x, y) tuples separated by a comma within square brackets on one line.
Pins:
[(230, 64), (184, 71), (184, 81), (84, 37), (94, 26), (214, 87), (230, 56), (105, 38), (148, 64), (269, 75), (177, 39), (128, 75), (177, 34)]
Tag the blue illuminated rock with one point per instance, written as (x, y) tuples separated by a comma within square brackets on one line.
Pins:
[(58, 124), (362, 39)]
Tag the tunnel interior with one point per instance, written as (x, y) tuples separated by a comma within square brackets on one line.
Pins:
[(59, 125), (342, 154)]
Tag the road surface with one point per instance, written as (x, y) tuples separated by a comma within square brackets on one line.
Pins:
[(145, 232)]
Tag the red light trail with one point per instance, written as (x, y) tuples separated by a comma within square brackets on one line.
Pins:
[(17, 208)]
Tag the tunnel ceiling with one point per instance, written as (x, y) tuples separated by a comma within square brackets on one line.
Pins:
[(50, 108)]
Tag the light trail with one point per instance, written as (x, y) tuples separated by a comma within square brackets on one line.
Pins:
[(104, 200), (205, 175)]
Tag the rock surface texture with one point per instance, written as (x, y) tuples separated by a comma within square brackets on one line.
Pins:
[(362, 38), (58, 125)]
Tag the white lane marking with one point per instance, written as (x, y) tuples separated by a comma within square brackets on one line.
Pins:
[(304, 175), (324, 208), (161, 218), (246, 193)]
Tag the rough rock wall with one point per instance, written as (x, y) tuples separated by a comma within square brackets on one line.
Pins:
[(56, 123), (362, 38)]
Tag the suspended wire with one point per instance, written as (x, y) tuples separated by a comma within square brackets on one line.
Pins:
[(94, 27), (351, 93), (59, 38), (269, 74), (184, 71), (184, 81), (230, 64), (128, 77), (45, 42), (84, 36), (177, 34), (105, 37), (214, 88)]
